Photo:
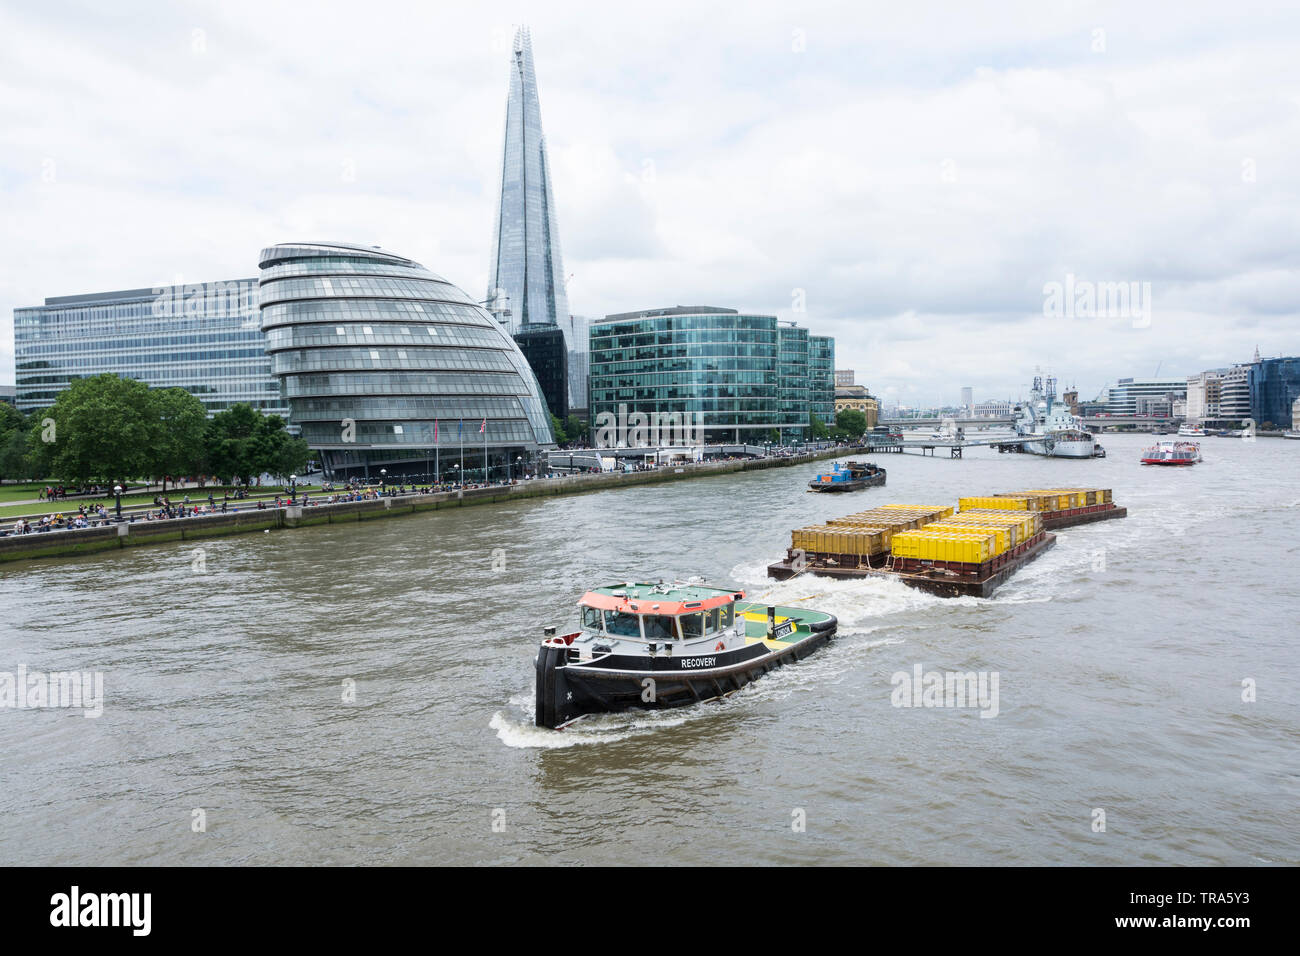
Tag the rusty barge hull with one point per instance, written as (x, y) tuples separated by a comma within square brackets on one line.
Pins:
[(1053, 520)]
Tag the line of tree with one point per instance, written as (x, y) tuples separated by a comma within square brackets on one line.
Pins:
[(106, 428)]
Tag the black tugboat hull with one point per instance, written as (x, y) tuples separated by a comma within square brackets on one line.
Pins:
[(566, 690)]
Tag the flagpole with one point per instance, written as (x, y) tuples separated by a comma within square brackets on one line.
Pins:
[(485, 463), (460, 431)]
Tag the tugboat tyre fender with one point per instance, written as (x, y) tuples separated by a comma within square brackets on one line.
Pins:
[(818, 626)]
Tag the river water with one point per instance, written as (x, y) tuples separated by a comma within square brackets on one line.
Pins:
[(1120, 654)]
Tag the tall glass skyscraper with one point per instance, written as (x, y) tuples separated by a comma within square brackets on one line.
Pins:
[(201, 337), (526, 290), (527, 274)]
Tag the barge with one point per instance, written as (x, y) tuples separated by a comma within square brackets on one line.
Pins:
[(970, 551), (653, 646), (943, 578), (849, 476)]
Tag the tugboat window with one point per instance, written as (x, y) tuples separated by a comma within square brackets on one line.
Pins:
[(725, 612), (713, 620), (622, 623), (692, 625), (659, 627), (591, 618)]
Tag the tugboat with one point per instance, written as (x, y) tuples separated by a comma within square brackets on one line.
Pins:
[(663, 645), (849, 476), (1172, 453)]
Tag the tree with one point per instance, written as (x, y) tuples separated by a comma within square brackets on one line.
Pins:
[(13, 450), (242, 442), (818, 427), (99, 428), (852, 422), (575, 429), (557, 429), (182, 424)]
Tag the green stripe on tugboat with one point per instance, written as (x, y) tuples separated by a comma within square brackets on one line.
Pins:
[(653, 646)]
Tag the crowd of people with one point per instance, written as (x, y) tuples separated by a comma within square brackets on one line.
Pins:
[(353, 490)]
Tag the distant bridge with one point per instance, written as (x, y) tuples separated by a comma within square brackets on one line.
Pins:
[(936, 422)]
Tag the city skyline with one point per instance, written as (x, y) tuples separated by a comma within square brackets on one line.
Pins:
[(1037, 148)]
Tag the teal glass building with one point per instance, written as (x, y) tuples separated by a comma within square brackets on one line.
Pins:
[(201, 337), (794, 385), (821, 377), (386, 365), (720, 368)]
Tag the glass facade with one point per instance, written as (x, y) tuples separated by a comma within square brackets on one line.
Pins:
[(527, 274), (1274, 387), (544, 348), (526, 281), (821, 374), (385, 364), (203, 338), (794, 384), (717, 364)]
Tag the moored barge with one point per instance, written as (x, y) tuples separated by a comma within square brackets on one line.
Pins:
[(849, 476), (651, 646)]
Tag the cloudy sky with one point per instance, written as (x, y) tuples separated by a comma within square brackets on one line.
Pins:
[(908, 177)]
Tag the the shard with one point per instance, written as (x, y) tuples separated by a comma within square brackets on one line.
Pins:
[(526, 278)]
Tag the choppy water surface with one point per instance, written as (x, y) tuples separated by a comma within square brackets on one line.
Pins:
[(1120, 654)]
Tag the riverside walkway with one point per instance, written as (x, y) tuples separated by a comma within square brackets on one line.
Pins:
[(246, 514)]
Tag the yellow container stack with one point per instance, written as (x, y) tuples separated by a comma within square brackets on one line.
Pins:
[(1008, 503), (1027, 523), (893, 517), (1005, 537), (836, 539), (1066, 498), (932, 544)]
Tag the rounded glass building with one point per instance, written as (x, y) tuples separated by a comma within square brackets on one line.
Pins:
[(385, 365)]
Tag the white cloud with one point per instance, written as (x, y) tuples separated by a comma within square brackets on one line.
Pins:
[(920, 171)]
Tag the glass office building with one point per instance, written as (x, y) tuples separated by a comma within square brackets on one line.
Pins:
[(386, 365), (821, 374), (1274, 387), (794, 383), (203, 338), (716, 367), (548, 356)]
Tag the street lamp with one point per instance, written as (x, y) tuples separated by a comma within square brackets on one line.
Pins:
[(455, 470), (383, 480), (117, 490), (293, 488), (519, 461)]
